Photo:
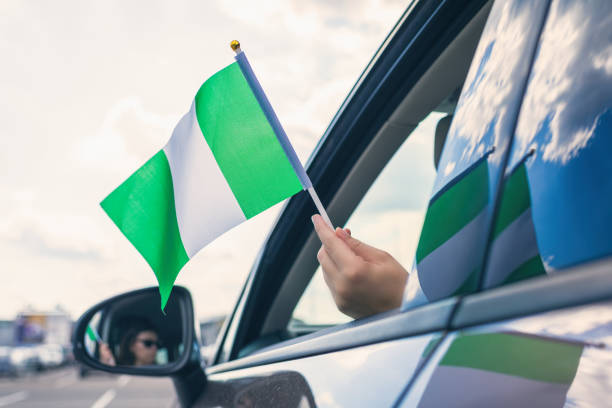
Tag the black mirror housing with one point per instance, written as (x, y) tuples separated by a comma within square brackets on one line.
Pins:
[(182, 306)]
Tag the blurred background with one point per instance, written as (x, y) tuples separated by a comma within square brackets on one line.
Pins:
[(91, 90)]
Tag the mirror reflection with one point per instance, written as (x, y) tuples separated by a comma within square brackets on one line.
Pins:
[(134, 332)]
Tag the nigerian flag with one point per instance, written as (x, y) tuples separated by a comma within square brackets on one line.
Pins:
[(514, 253), (500, 369), (227, 160), (449, 253), (92, 334)]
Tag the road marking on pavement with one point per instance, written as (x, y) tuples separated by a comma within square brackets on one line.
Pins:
[(13, 398), (66, 380), (123, 380), (105, 399)]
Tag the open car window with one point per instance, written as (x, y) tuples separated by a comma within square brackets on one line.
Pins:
[(396, 94), (389, 216)]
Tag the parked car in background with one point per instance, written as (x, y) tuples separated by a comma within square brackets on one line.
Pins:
[(20, 360), (209, 332), (51, 355), (474, 147), (6, 368), (16, 360)]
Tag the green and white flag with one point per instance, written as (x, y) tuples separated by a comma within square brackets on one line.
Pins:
[(503, 370), (449, 253), (450, 250), (228, 160), (92, 334), (514, 254)]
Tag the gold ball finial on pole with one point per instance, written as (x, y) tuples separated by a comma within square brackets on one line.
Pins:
[(235, 46)]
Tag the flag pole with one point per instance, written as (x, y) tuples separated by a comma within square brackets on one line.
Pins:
[(319, 205), (261, 97)]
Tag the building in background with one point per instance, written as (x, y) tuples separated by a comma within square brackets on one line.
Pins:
[(209, 330), (7, 332), (37, 327)]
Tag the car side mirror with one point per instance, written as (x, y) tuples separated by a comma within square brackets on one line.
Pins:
[(129, 334)]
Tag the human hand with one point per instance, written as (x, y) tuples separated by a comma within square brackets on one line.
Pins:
[(363, 280), (106, 356)]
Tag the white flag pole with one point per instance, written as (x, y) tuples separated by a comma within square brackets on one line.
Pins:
[(319, 205), (261, 97)]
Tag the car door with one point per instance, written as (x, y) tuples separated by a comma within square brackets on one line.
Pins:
[(264, 358), (451, 253), (539, 334)]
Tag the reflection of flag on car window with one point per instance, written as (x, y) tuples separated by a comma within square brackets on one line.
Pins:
[(225, 163), (514, 254), (449, 254), (511, 369)]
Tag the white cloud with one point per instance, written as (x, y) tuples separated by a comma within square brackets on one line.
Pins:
[(486, 109), (548, 264), (567, 92), (326, 399), (59, 236), (129, 135), (92, 90), (585, 323), (448, 169)]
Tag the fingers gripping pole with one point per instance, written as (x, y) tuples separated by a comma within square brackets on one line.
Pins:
[(319, 205)]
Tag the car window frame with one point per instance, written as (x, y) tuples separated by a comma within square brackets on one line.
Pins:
[(383, 327)]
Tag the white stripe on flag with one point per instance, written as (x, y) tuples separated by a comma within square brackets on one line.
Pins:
[(205, 204), (467, 387), (413, 293), (515, 245), (445, 269)]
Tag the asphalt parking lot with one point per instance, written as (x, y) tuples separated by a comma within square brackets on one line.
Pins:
[(63, 388)]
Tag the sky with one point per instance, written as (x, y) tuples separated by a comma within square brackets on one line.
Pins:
[(91, 90)]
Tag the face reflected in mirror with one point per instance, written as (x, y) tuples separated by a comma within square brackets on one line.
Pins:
[(134, 332), (143, 349)]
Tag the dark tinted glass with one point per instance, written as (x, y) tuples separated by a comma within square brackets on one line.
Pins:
[(556, 208), (451, 248)]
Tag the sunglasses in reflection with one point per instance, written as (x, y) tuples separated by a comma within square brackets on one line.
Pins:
[(149, 343)]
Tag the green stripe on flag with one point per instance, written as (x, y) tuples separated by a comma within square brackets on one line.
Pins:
[(529, 357), (531, 268), (143, 209), (454, 209), (515, 199), (470, 284), (243, 142), (91, 334)]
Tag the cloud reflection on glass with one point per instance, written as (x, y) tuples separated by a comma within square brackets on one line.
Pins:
[(566, 119), (449, 262), (486, 111)]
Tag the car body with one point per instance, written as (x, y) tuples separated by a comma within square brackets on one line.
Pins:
[(51, 355), (509, 299), (6, 366), (22, 359)]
